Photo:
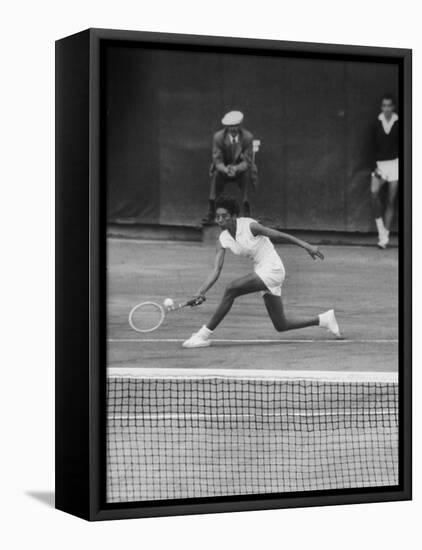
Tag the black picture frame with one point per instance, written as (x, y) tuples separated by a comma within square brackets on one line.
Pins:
[(81, 289)]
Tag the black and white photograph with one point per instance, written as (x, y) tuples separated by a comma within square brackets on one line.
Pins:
[(210, 237), (253, 215)]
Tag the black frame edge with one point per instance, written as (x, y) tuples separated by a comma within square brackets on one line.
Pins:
[(72, 264), (242, 505), (192, 40), (405, 287)]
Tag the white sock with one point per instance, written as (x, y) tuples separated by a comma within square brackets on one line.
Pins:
[(380, 226), (205, 332), (322, 321)]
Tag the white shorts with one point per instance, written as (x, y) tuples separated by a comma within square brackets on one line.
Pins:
[(273, 278), (388, 170)]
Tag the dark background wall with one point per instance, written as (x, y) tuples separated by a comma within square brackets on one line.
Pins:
[(313, 119)]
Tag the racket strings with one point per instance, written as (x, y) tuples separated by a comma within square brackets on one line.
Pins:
[(146, 317)]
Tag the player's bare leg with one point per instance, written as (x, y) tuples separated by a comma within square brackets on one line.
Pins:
[(281, 322), (389, 211), (244, 285), (376, 185), (275, 308), (239, 287)]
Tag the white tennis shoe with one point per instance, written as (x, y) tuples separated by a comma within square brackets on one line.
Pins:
[(328, 320), (199, 339), (384, 238)]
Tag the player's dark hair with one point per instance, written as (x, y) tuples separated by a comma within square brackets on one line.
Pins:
[(389, 97), (229, 203)]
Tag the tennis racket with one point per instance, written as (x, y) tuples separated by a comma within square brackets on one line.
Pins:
[(148, 316)]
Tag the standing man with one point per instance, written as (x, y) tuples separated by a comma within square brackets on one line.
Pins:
[(386, 138), (231, 161)]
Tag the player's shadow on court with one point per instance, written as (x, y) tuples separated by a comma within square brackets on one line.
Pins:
[(45, 497)]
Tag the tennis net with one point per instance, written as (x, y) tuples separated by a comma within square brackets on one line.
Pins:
[(201, 433)]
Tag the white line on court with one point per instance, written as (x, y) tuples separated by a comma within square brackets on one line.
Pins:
[(257, 341)]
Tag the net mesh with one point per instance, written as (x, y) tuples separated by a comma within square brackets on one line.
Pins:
[(175, 437)]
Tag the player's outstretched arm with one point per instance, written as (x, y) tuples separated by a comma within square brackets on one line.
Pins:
[(277, 236), (215, 273)]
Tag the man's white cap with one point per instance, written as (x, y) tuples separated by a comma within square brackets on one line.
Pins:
[(233, 118)]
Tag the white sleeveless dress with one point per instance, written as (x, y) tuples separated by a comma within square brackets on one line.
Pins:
[(267, 263)]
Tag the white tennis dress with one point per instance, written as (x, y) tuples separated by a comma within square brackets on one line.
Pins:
[(267, 263)]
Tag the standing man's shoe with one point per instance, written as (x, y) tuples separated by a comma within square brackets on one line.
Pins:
[(210, 216)]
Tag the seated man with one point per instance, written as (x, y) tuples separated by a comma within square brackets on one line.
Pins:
[(231, 161)]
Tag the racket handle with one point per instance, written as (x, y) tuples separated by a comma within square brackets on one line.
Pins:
[(197, 301)]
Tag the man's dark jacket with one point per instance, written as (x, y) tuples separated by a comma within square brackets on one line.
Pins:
[(225, 153)]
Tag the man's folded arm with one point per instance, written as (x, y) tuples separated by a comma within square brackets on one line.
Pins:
[(246, 162)]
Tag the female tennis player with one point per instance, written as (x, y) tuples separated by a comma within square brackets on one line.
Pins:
[(247, 237)]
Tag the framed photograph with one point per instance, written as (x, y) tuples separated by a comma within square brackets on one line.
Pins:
[(233, 274)]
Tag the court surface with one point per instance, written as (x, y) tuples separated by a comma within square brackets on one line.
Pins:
[(360, 283)]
